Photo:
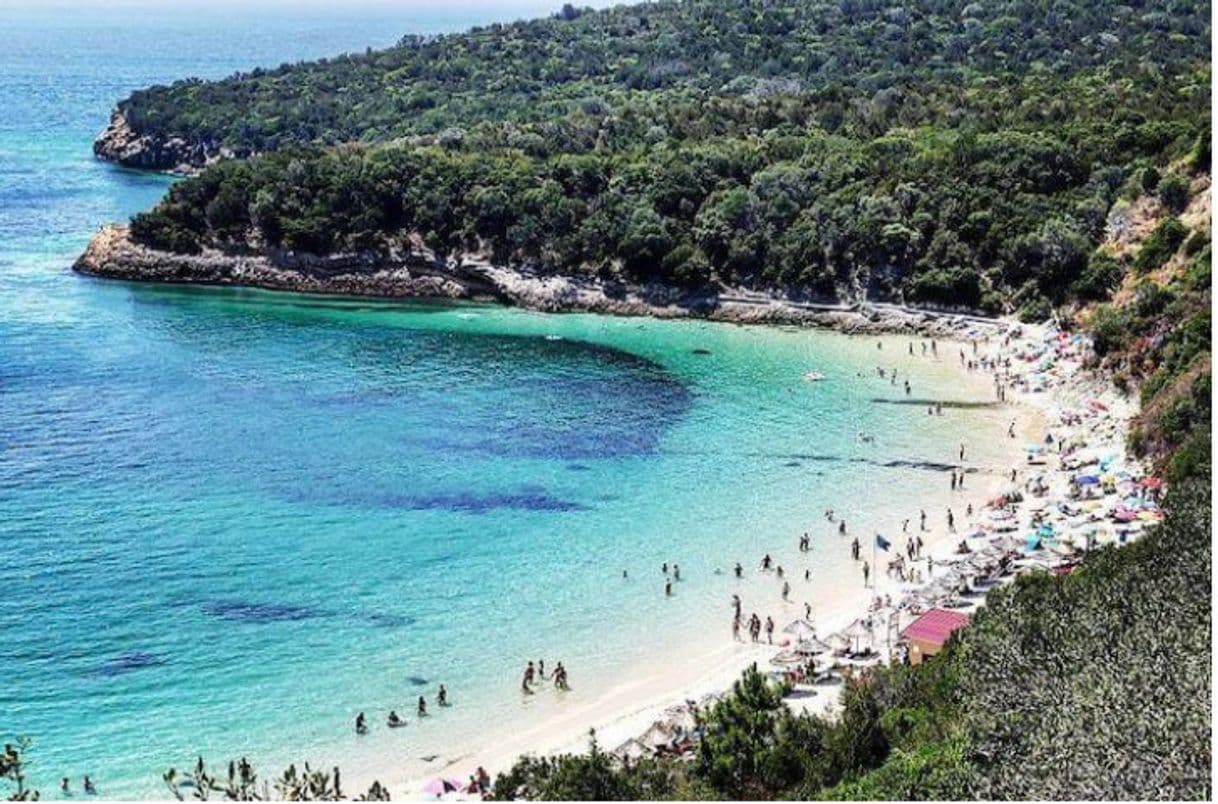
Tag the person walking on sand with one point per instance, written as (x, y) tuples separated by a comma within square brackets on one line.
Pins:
[(736, 627), (807, 610), (769, 630), (854, 549), (736, 604), (841, 528), (786, 591), (922, 512), (866, 573), (951, 521), (961, 452)]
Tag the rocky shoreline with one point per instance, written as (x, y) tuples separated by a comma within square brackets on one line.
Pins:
[(112, 254), (121, 144)]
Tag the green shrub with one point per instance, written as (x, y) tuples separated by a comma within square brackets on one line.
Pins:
[(157, 229), (1173, 192), (1101, 276), (1162, 243)]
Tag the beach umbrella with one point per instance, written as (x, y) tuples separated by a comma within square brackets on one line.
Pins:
[(681, 719), (632, 749), (857, 630), (787, 658), (800, 629), (810, 647), (659, 734), (441, 786), (1086, 480)]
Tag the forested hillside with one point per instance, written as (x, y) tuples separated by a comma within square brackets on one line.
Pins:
[(861, 59), (944, 153)]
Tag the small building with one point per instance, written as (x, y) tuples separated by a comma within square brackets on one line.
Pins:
[(927, 635)]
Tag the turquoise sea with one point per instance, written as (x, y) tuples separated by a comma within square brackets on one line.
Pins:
[(231, 519)]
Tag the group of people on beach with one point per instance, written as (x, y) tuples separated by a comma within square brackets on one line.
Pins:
[(534, 673), (754, 625), (394, 720)]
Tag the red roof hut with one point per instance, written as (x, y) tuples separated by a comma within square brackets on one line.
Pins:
[(927, 634)]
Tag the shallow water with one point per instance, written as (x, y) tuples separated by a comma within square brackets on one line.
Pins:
[(231, 519)]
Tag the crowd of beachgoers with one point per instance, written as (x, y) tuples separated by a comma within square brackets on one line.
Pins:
[(1074, 489)]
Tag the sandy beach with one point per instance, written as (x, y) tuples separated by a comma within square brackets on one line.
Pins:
[(1045, 387)]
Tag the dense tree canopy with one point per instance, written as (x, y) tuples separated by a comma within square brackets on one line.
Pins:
[(864, 60)]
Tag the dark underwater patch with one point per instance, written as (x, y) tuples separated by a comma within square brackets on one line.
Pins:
[(248, 612), (382, 620), (473, 503), (128, 663), (792, 459), (926, 403)]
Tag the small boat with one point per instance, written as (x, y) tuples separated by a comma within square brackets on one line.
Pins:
[(813, 376)]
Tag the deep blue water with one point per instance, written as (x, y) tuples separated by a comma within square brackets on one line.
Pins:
[(231, 519)]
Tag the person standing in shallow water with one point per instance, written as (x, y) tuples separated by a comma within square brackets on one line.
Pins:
[(866, 572), (526, 684)]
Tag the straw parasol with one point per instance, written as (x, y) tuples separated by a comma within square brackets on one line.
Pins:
[(811, 647), (801, 630)]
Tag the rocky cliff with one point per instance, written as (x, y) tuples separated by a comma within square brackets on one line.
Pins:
[(113, 254), (120, 143)]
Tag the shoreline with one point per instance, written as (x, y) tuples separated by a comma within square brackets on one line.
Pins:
[(709, 663), (416, 275), (615, 721)]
